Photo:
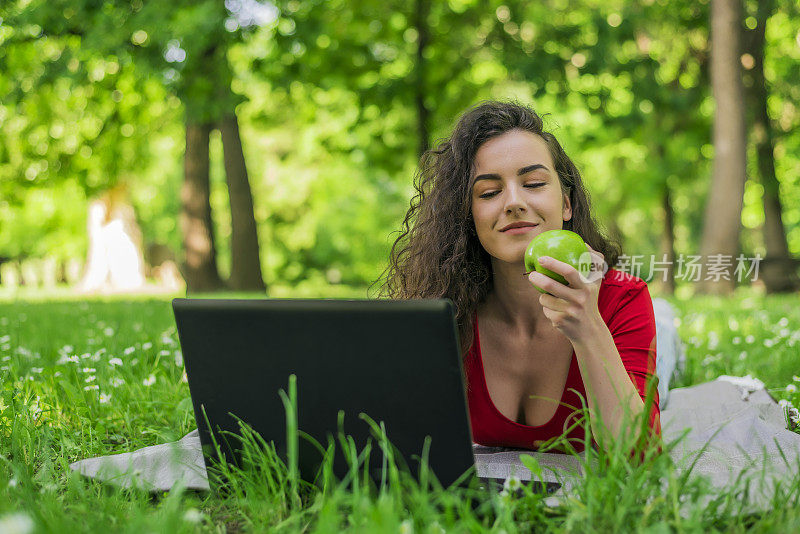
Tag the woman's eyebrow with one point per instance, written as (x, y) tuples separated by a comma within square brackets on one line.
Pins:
[(523, 170)]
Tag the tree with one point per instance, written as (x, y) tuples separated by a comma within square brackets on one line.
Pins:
[(184, 44), (779, 268), (245, 262), (422, 11), (200, 265), (723, 214)]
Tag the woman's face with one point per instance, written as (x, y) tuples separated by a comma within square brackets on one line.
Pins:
[(515, 182)]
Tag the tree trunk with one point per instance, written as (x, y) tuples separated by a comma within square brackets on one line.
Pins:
[(245, 257), (778, 270), (200, 263), (723, 215), (667, 280), (423, 32), (668, 240)]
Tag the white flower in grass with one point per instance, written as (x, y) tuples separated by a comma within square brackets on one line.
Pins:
[(90, 378), (93, 386), (104, 398), (108, 332), (37, 370), (794, 416), (4, 368), (149, 381), (5, 358), (791, 388), (67, 359), (736, 340), (796, 378), (750, 339), (134, 361), (743, 355), (86, 355), (193, 515), (115, 361), (512, 483), (407, 527), (16, 523), (792, 412), (88, 370), (178, 358), (5, 339), (128, 351), (713, 340), (163, 353), (67, 349), (147, 346), (57, 374), (783, 322), (784, 332), (117, 382), (768, 342)]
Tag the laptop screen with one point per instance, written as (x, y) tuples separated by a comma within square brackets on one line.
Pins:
[(396, 361)]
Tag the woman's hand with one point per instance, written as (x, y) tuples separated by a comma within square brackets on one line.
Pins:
[(572, 309)]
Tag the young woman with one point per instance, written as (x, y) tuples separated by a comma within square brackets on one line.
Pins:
[(532, 361)]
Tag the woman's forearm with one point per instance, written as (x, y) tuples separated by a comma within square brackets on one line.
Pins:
[(609, 389)]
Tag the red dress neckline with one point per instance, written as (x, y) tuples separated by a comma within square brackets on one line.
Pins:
[(483, 384)]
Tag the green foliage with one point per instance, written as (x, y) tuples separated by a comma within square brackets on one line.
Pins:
[(326, 99)]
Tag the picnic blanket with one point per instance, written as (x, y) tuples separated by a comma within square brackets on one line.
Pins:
[(744, 429)]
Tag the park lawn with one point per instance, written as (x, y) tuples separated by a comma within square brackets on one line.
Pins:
[(89, 378)]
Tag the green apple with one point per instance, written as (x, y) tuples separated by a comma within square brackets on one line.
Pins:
[(562, 245)]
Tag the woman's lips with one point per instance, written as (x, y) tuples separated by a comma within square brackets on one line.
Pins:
[(520, 230)]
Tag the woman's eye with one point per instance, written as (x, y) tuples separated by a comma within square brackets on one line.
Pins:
[(490, 194)]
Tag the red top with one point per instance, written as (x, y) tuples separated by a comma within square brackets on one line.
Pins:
[(625, 306)]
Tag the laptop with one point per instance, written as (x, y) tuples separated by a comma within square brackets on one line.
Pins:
[(397, 361)]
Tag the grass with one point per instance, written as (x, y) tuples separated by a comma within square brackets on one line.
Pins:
[(89, 378)]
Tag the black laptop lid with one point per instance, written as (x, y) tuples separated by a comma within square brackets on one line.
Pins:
[(396, 361)]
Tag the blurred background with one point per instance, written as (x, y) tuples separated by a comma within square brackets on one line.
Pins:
[(249, 145)]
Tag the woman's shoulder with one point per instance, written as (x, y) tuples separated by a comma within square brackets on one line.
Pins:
[(616, 287), (620, 280)]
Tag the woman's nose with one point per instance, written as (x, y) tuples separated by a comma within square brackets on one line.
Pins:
[(513, 199)]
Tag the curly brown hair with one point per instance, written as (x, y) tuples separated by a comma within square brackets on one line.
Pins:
[(438, 254)]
